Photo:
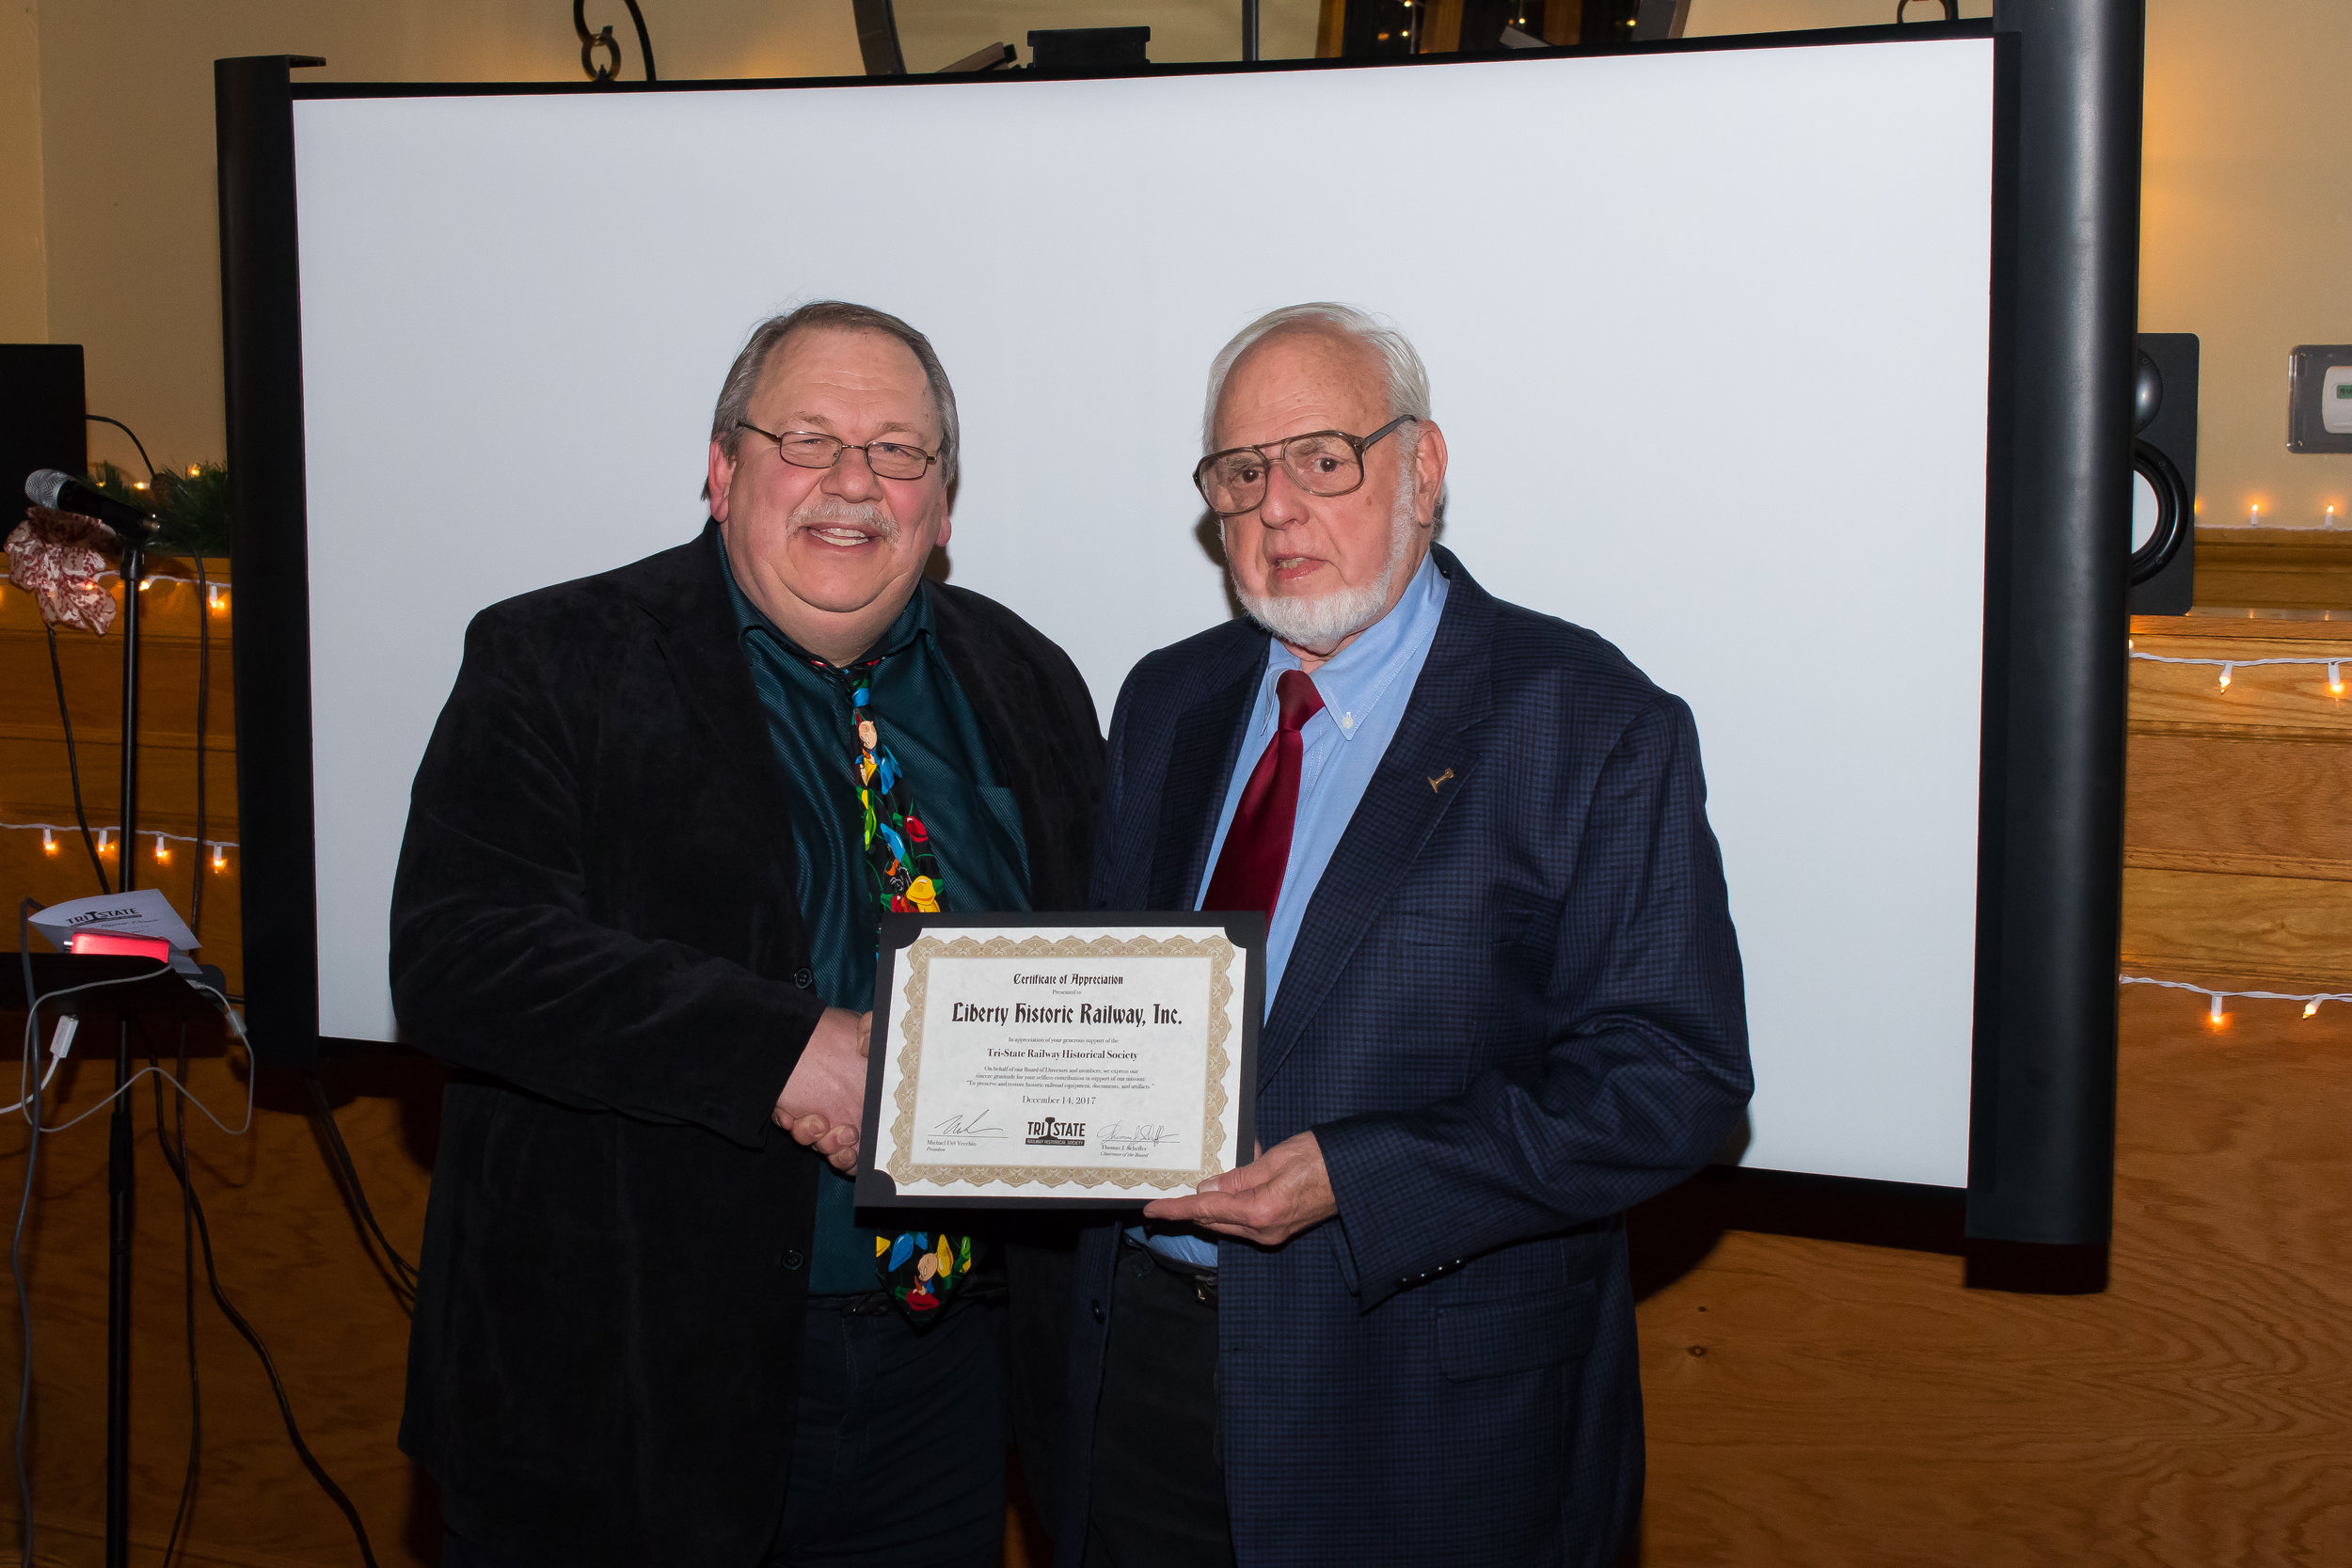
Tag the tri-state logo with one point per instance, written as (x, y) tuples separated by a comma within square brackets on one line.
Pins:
[(1062, 1134)]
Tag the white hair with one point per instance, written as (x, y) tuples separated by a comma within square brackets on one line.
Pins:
[(1408, 379)]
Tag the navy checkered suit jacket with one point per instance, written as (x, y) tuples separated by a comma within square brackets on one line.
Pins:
[(1514, 1010)]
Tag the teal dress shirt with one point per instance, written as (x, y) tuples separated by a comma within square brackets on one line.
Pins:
[(974, 825)]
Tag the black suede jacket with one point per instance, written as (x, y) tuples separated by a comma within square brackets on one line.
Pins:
[(594, 924)]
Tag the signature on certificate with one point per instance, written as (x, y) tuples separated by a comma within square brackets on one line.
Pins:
[(973, 1126), (1149, 1134)]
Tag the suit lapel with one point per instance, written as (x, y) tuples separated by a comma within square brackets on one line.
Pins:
[(1206, 750), (694, 626), (1406, 798)]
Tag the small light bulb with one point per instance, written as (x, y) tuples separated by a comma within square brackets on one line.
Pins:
[(105, 840), (2311, 1006), (2225, 678), (220, 858), (145, 584), (2335, 678), (194, 471), (163, 851), (139, 485), (211, 596), (2214, 1016), (2254, 514), (48, 842)]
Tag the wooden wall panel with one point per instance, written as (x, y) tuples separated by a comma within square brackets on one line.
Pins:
[(1816, 1404), (1811, 1401), (2282, 569)]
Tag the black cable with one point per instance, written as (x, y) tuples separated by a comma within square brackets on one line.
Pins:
[(74, 771), (24, 908), (347, 1174), (203, 710), (278, 1386), (101, 419), (188, 1292)]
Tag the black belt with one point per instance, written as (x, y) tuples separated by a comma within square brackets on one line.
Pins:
[(1204, 1281)]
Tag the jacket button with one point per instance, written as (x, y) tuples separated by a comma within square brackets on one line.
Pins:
[(1097, 1311), (805, 978), (793, 1259)]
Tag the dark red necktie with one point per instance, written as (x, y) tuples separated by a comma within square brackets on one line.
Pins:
[(1258, 843)]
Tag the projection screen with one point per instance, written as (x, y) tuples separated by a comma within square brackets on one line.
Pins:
[(1708, 342)]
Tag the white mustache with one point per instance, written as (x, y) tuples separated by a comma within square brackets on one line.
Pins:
[(830, 513)]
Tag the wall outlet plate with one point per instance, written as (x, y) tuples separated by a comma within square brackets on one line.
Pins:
[(2319, 398)]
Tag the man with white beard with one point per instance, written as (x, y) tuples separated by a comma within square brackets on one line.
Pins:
[(647, 848), (1502, 1006)]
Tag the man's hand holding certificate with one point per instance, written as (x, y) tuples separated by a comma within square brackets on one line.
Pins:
[(1087, 1059)]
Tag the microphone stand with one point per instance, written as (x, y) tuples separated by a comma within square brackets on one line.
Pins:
[(119, 1146)]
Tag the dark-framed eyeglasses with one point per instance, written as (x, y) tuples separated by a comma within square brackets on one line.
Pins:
[(1321, 462), (810, 449)]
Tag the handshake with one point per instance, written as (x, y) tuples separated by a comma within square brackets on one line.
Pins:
[(825, 1097)]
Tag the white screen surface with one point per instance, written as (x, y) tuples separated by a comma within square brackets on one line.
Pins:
[(1709, 344)]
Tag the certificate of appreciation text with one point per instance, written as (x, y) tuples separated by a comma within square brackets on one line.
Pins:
[(1065, 1059)]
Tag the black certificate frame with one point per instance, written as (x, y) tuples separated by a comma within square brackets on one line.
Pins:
[(1244, 929)]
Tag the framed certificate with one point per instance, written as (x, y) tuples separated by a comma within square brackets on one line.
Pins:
[(1060, 1059)]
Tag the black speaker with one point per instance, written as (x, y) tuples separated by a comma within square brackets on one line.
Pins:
[(40, 419), (2164, 475)]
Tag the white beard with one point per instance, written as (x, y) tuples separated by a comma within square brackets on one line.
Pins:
[(1326, 620)]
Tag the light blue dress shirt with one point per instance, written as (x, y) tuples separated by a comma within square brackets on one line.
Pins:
[(1366, 688)]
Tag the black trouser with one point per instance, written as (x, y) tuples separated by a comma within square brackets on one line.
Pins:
[(898, 1454), (1157, 1485)]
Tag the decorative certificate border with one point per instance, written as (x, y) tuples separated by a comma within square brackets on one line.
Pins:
[(904, 1169)]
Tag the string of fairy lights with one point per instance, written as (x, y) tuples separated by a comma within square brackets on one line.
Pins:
[(217, 848), (2217, 1014)]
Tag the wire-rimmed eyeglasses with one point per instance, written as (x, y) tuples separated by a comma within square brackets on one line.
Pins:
[(810, 449), (1321, 462)]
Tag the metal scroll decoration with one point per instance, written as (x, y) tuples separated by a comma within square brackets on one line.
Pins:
[(602, 38)]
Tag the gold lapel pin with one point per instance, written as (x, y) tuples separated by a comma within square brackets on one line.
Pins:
[(1438, 780)]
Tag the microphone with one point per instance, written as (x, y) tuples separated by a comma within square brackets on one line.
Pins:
[(62, 492)]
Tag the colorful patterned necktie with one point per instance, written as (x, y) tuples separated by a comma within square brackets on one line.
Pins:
[(1257, 847), (919, 1269)]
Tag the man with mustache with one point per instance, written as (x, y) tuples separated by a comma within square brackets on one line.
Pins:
[(1503, 1004), (648, 848)]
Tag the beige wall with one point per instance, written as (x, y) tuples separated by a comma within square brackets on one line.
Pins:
[(107, 231), (2245, 217), (24, 271)]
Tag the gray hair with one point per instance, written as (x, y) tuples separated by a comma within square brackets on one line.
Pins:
[(735, 394), (1408, 379)]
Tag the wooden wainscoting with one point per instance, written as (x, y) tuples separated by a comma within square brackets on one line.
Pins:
[(1814, 1401), (2238, 823), (2275, 568)]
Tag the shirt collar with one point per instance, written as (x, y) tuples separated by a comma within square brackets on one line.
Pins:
[(913, 620), (1359, 678)]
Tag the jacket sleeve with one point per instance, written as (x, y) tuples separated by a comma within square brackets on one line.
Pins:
[(497, 962), (1647, 1067)]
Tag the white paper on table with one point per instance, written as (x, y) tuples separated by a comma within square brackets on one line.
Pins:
[(141, 913)]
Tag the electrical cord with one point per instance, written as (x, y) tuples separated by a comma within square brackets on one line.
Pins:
[(25, 909), (72, 764), (203, 710), (203, 693), (188, 1293), (269, 1366), (347, 1174), (146, 461)]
